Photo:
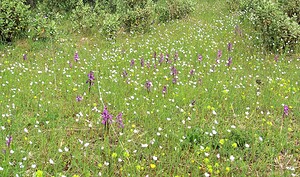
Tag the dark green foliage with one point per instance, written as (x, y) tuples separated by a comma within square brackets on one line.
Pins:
[(291, 8), (277, 23), (135, 3), (136, 14), (173, 9), (278, 30), (195, 136), (111, 25), (14, 15), (106, 16), (109, 6), (138, 19), (41, 27), (57, 5), (241, 138), (84, 17)]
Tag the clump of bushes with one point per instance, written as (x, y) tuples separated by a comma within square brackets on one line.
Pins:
[(14, 19), (41, 27), (138, 19), (111, 25), (105, 16), (84, 17), (173, 9), (131, 15), (276, 22), (291, 8)]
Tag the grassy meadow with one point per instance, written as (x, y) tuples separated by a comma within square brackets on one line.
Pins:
[(192, 97)]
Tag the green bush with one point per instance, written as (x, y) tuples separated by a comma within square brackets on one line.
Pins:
[(138, 20), (135, 3), (173, 9), (57, 5), (111, 25), (14, 15), (278, 30), (41, 27), (163, 12), (84, 17), (291, 8)]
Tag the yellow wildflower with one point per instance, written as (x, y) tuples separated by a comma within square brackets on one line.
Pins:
[(227, 169), (126, 154), (152, 166), (39, 173), (206, 160), (138, 167), (234, 145), (222, 141), (114, 155)]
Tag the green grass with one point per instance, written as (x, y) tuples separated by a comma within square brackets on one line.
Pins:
[(236, 126)]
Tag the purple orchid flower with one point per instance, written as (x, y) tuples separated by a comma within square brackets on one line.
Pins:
[(174, 71), (176, 56), (76, 57), (192, 71), (124, 73), (285, 110), (174, 80), (142, 62), (91, 79), (132, 62), (219, 55), (164, 91), (200, 58), (167, 58), (106, 117), (161, 58), (148, 85), (79, 98), (25, 56), (154, 55), (91, 76), (229, 62), (276, 58), (70, 64), (8, 142), (120, 120), (229, 46)]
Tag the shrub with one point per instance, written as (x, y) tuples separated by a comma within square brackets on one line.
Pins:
[(111, 25), (84, 17), (292, 8), (14, 15), (138, 20), (163, 12), (173, 9), (57, 5), (108, 6), (136, 15), (41, 27), (278, 30)]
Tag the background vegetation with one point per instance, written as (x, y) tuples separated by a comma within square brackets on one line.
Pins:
[(277, 22), (39, 19)]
